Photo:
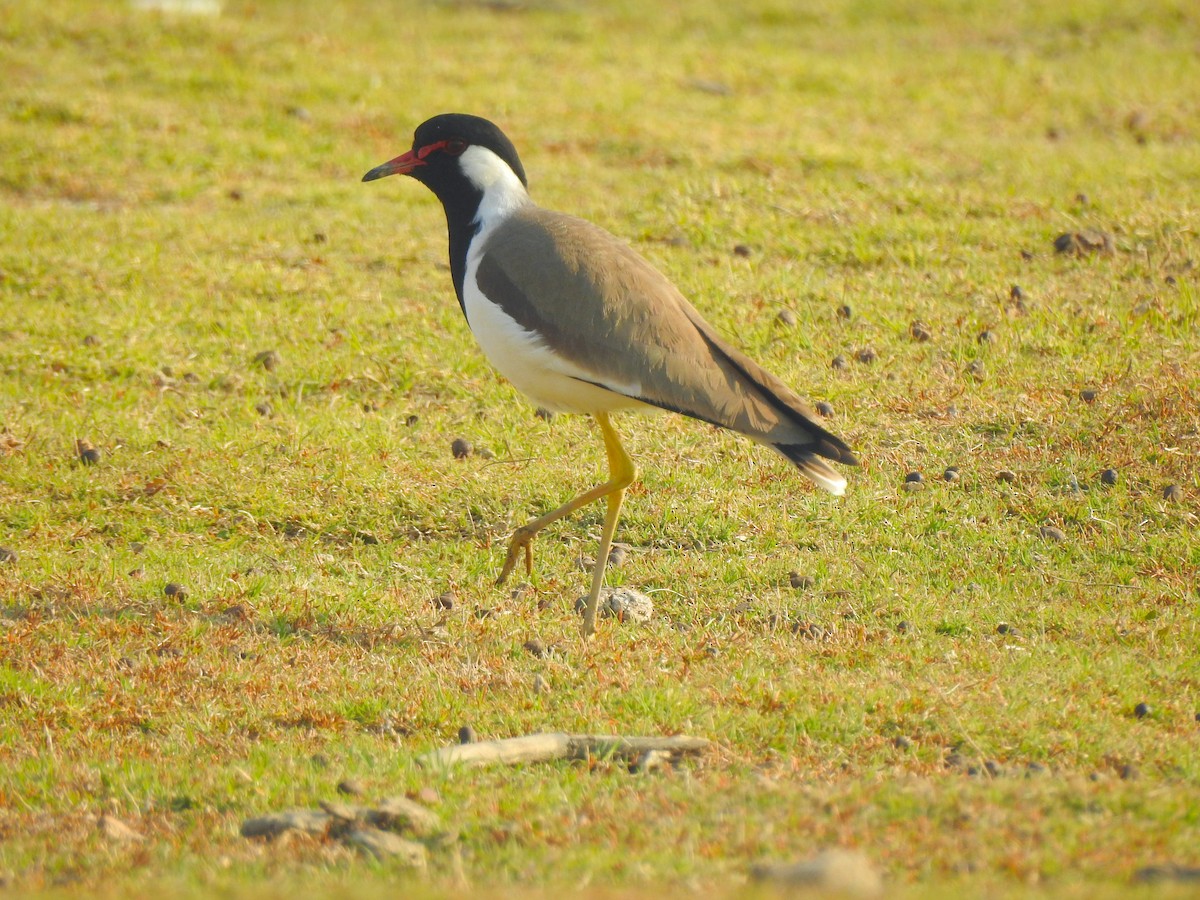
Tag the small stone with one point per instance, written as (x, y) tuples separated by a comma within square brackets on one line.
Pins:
[(986, 337), (951, 474), (411, 420), (1086, 241), (428, 796), (710, 86), (1050, 533), (485, 453), (7, 555), (920, 332), (825, 408), (342, 812), (622, 603), (844, 311), (544, 414), (466, 735), (977, 370), (617, 555), (1005, 628), (1171, 872), (385, 845), (786, 318), (264, 408), (839, 362), (351, 787), (900, 742), (993, 768), (1015, 293), (90, 340), (1142, 710), (1007, 476), (116, 830), (808, 630), (88, 454), (535, 647), (1108, 477), (800, 582), (461, 448), (834, 872), (176, 590), (320, 760), (903, 626), (742, 250), (1088, 395), (1129, 772), (914, 478), (1034, 768), (866, 355), (1173, 493), (268, 359), (444, 601)]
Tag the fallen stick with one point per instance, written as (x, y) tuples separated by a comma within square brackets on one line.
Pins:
[(545, 747)]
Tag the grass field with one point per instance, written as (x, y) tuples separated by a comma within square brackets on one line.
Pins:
[(268, 364)]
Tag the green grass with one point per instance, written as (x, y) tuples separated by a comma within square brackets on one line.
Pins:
[(181, 194)]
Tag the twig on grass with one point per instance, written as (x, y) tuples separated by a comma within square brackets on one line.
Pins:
[(557, 745)]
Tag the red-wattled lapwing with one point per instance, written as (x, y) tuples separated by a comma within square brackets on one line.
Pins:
[(581, 323)]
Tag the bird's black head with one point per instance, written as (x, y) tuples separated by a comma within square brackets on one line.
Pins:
[(461, 159), (438, 145)]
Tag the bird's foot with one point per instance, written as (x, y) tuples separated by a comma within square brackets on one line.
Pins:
[(522, 540)]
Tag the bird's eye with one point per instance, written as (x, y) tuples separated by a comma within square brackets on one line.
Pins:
[(455, 147)]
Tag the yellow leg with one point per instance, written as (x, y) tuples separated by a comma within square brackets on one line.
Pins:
[(621, 471)]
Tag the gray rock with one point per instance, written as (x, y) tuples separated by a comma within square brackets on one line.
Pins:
[(308, 821), (401, 813), (834, 871), (383, 845)]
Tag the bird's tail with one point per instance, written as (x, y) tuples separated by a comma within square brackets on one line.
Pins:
[(815, 468)]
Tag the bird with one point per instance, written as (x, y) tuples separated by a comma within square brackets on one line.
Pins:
[(578, 321)]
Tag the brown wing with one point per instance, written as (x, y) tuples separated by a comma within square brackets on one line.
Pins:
[(601, 305)]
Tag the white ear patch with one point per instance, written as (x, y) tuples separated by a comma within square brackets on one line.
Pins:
[(502, 189)]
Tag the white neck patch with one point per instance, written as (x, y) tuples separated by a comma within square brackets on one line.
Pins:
[(502, 189)]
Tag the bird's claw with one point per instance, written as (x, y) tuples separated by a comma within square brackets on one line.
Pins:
[(522, 539)]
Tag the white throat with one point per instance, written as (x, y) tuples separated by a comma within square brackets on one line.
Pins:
[(502, 190)]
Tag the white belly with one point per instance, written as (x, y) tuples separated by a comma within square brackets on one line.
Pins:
[(533, 368)]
